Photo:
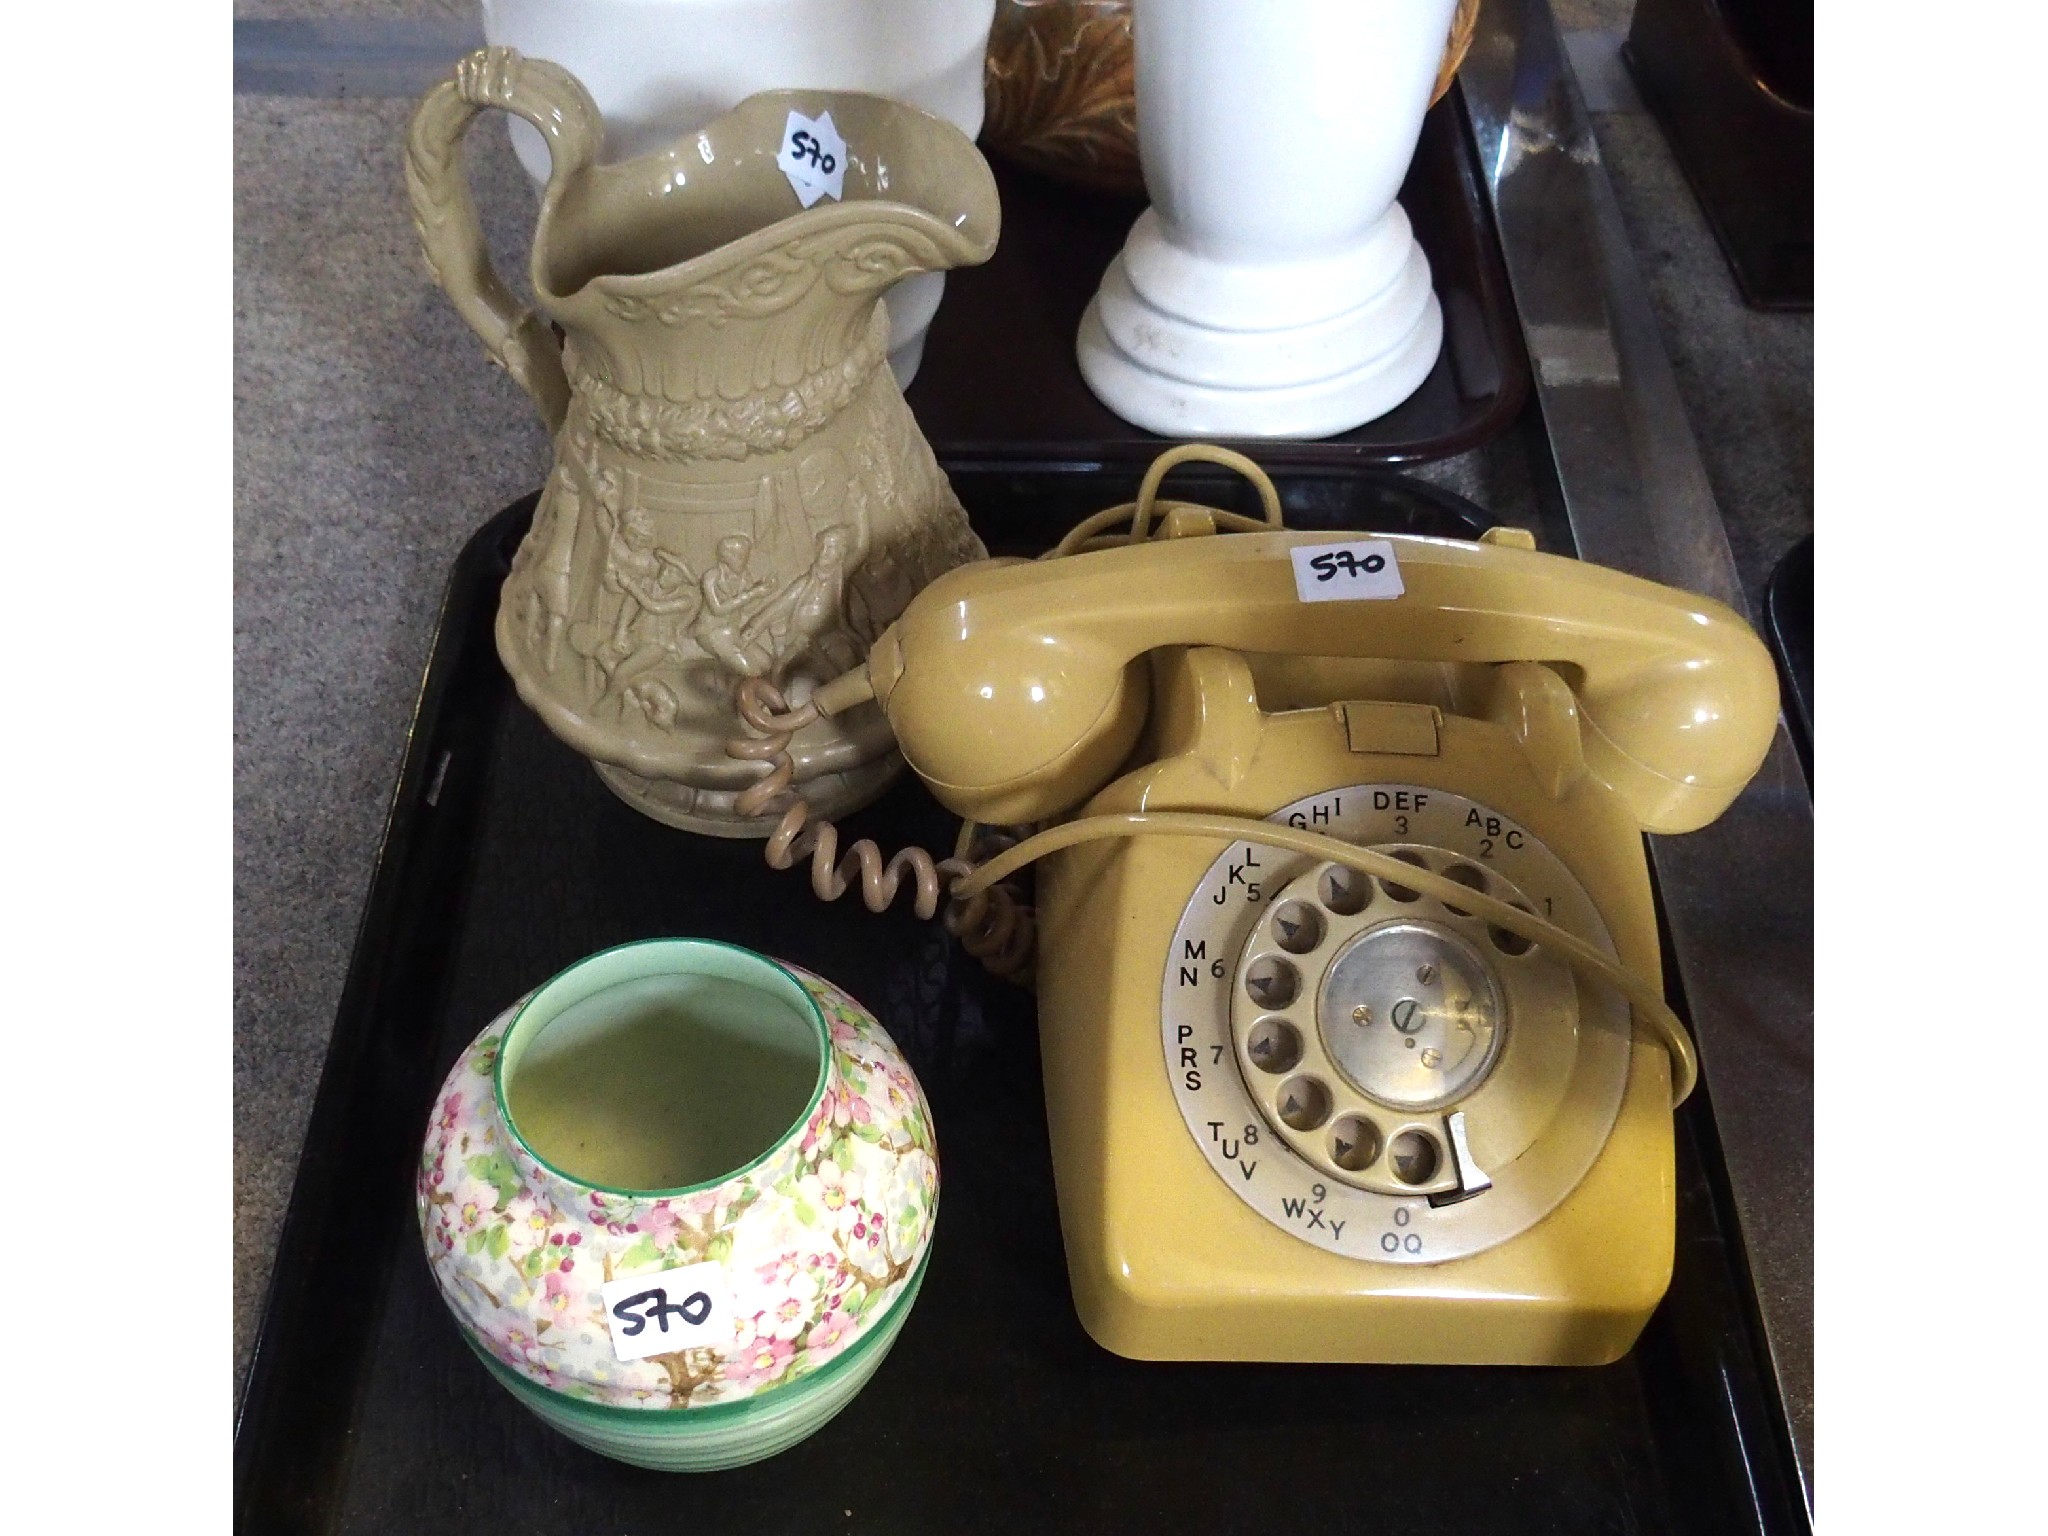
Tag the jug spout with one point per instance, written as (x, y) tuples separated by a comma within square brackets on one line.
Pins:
[(708, 310), (722, 189)]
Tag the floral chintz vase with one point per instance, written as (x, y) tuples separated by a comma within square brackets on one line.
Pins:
[(822, 1241)]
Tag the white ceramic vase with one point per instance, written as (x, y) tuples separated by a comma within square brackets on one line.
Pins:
[(1273, 288), (660, 68)]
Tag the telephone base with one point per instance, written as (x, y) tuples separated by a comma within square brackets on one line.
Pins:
[(1225, 1075), (1194, 1275), (1422, 1335)]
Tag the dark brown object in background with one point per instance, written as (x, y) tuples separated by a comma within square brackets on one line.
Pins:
[(1731, 81), (1062, 91)]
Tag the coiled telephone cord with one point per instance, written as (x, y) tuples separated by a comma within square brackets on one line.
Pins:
[(992, 923)]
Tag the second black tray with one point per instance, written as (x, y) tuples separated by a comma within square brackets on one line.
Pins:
[(1000, 380), (505, 859)]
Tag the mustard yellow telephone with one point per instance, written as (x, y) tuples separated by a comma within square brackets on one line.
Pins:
[(1364, 1057)]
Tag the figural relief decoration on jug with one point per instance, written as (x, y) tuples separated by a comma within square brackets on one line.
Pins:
[(739, 489)]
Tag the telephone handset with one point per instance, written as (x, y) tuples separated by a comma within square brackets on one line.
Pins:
[(1014, 690), (1345, 1065)]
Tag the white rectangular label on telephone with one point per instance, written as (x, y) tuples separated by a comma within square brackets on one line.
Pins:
[(1335, 573), (681, 1308)]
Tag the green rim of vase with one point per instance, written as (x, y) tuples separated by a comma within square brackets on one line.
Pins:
[(811, 1011), (777, 1397)]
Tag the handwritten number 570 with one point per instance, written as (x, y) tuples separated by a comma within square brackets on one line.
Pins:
[(1327, 566), (805, 147), (693, 1309)]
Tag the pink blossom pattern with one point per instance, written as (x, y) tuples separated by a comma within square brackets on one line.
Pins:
[(818, 1241)]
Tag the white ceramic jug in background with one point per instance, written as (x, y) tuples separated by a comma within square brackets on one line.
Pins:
[(1273, 288), (660, 68)]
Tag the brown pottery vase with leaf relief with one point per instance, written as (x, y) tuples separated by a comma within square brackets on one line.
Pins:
[(738, 489)]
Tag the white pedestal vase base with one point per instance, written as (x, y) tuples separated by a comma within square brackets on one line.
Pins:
[(1188, 347)]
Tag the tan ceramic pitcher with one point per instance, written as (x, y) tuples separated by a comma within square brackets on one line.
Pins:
[(738, 489)]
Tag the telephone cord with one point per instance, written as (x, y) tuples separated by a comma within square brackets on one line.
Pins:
[(1089, 532), (991, 922), (998, 929)]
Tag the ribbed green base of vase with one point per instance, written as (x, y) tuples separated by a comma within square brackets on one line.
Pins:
[(720, 1435)]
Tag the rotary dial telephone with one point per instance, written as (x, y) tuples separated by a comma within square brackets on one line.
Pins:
[(1352, 1023)]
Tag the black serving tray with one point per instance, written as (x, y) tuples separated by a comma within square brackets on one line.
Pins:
[(1000, 380), (504, 860)]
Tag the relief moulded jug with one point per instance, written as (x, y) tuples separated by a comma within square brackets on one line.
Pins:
[(739, 489)]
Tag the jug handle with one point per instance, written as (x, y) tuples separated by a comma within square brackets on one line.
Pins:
[(519, 339)]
